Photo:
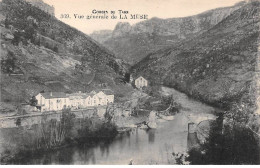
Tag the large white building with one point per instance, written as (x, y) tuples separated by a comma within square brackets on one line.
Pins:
[(55, 101), (52, 101)]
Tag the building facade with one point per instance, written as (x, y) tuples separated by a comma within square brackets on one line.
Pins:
[(141, 82), (56, 101), (52, 101)]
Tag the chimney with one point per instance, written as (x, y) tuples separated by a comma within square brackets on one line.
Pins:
[(191, 128), (51, 94)]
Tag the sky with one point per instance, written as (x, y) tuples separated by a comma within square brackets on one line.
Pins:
[(151, 8)]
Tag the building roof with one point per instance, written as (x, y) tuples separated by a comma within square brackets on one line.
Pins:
[(107, 91), (86, 95), (78, 94), (51, 95), (140, 77), (93, 92)]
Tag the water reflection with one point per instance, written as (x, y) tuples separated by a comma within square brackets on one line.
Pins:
[(104, 148), (142, 146), (151, 135), (84, 155), (154, 146)]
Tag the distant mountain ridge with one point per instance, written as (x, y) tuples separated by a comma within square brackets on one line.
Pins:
[(132, 43), (102, 35)]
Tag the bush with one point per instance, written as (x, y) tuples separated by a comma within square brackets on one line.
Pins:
[(33, 101), (67, 119), (96, 129), (17, 38), (8, 64), (55, 49)]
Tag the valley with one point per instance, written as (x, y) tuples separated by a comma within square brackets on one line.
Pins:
[(183, 88)]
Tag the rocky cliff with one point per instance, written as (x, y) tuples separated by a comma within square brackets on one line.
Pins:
[(132, 43), (217, 66)]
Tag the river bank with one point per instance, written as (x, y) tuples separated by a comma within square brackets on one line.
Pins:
[(132, 143), (53, 135)]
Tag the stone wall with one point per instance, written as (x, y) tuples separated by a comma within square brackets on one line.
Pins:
[(28, 121)]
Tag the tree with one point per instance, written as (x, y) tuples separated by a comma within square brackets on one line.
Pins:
[(17, 38), (109, 114), (86, 57), (33, 101), (67, 120), (55, 49), (7, 22), (116, 67), (127, 77), (8, 64), (18, 122), (238, 114), (29, 33), (84, 60)]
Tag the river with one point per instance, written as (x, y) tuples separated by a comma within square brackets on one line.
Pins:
[(154, 146)]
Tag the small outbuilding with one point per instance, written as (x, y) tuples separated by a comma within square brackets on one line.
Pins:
[(141, 82)]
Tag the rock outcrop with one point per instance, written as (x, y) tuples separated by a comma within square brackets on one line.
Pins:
[(122, 29)]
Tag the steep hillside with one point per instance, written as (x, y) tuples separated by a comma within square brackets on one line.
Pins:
[(218, 66), (132, 43), (38, 52)]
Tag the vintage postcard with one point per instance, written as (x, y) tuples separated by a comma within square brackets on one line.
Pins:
[(129, 82)]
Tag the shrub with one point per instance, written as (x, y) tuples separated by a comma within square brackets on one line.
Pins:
[(8, 64), (55, 49), (33, 101)]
